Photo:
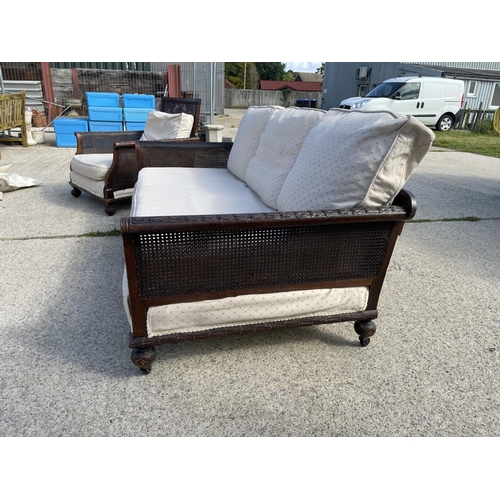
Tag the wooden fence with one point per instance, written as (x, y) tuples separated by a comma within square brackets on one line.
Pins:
[(472, 117)]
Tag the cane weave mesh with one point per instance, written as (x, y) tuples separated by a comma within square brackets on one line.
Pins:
[(184, 263)]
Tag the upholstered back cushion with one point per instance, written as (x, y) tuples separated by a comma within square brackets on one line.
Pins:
[(160, 126), (278, 148), (354, 158), (247, 138)]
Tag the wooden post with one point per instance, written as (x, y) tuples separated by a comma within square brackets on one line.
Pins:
[(74, 79), (48, 91), (476, 118), (174, 80)]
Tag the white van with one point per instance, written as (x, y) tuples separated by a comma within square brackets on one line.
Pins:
[(436, 102)]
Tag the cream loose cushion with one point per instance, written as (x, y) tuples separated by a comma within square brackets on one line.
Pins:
[(354, 158), (278, 149), (94, 166), (160, 126), (247, 138)]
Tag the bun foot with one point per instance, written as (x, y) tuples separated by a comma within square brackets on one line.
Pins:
[(143, 358), (110, 210), (365, 329)]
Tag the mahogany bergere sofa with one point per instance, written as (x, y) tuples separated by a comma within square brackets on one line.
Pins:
[(104, 165), (292, 224)]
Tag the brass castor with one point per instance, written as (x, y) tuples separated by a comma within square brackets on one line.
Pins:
[(110, 210), (76, 192), (365, 329), (143, 358)]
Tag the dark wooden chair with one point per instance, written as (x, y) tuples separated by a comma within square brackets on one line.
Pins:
[(114, 173)]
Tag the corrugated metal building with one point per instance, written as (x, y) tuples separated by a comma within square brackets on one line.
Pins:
[(350, 79), (204, 79)]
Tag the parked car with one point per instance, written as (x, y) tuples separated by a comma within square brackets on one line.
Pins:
[(436, 102)]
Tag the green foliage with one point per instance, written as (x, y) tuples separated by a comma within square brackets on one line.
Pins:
[(484, 127), (286, 97), (271, 70), (234, 72), (466, 141), (322, 69), (241, 75), (289, 76)]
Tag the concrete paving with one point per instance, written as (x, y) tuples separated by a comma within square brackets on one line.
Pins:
[(430, 370)]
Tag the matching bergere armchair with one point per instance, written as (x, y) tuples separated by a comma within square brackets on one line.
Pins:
[(104, 165)]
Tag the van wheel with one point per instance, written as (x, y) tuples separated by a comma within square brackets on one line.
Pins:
[(445, 123)]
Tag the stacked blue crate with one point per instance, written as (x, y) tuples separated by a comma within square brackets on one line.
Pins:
[(105, 113), (136, 108), (65, 129)]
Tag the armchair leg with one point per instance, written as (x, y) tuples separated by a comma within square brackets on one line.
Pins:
[(365, 329), (143, 358), (76, 192), (110, 209)]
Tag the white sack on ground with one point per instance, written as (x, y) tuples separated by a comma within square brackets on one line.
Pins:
[(11, 182)]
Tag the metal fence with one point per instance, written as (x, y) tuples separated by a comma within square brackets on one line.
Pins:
[(70, 81)]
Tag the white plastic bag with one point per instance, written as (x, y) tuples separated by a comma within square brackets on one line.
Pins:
[(11, 182)]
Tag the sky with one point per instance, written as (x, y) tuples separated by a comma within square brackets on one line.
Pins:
[(306, 67)]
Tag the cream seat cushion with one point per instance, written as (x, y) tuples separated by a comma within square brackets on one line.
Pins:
[(160, 126), (192, 191), (92, 166), (354, 158)]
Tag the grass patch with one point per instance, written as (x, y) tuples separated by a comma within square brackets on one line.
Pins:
[(100, 234), (458, 219), (468, 142)]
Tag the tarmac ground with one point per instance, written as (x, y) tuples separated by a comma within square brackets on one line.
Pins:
[(431, 369)]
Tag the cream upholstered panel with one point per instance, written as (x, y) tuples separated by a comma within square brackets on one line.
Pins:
[(160, 126), (249, 309), (96, 187), (355, 158), (247, 138), (277, 151), (192, 191), (93, 166)]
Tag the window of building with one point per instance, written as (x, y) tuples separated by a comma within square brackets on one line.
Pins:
[(362, 90), (495, 101), (472, 89)]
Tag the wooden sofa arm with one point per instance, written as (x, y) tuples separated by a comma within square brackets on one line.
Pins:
[(103, 142)]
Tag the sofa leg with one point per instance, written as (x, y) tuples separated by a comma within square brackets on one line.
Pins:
[(143, 358), (76, 192), (110, 209), (365, 329)]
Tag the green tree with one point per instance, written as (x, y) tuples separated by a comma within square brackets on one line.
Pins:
[(289, 76), (322, 69), (271, 70), (242, 75), (234, 73)]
